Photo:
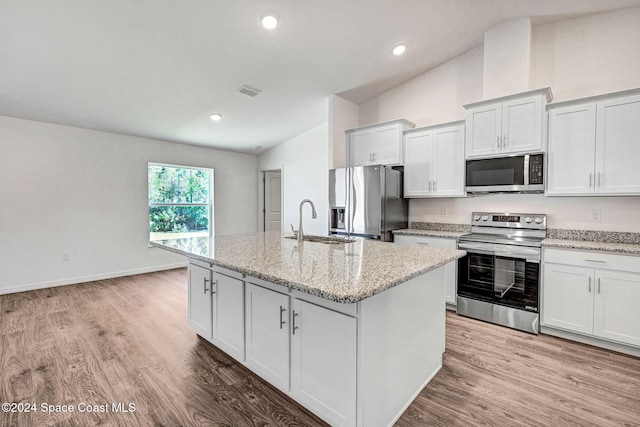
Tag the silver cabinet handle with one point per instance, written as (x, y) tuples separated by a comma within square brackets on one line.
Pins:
[(429, 185), (205, 285), (215, 282), (294, 327), (589, 284), (590, 175), (282, 322), (598, 285), (498, 142), (422, 243), (596, 260), (504, 141), (598, 179), (435, 185)]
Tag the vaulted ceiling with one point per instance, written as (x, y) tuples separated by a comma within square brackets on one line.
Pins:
[(159, 68)]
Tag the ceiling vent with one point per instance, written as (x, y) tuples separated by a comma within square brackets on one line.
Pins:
[(249, 90)]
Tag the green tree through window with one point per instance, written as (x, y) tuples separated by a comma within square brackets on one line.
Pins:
[(180, 201)]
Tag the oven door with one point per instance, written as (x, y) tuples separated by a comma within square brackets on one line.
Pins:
[(500, 274)]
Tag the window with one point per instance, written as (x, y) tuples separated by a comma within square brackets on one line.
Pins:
[(180, 201)]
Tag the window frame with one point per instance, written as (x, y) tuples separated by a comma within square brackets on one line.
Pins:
[(210, 195)]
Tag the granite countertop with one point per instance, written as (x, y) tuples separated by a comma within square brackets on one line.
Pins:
[(345, 272), (593, 240), (431, 233), (617, 248)]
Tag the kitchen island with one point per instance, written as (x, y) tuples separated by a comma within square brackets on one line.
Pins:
[(352, 331)]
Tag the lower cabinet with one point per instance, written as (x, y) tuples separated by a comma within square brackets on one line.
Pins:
[(451, 269), (200, 302), (593, 294), (267, 326), (323, 365), (216, 307), (228, 313)]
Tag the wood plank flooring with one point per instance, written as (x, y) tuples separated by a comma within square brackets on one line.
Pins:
[(127, 340)]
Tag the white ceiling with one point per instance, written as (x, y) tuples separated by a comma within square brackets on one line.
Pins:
[(158, 68)]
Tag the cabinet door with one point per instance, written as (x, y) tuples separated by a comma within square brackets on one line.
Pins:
[(228, 315), (200, 304), (572, 147), (418, 166), (267, 326), (616, 313), (360, 148), (386, 145), (568, 297), (324, 362), (618, 146), (448, 179), (522, 125), (484, 126)]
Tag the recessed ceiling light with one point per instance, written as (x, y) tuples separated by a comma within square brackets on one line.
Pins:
[(269, 22), (216, 117), (399, 49)]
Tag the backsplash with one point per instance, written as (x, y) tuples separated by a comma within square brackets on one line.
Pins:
[(594, 236), (439, 226)]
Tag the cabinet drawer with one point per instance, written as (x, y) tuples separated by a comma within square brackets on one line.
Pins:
[(436, 242), (593, 259)]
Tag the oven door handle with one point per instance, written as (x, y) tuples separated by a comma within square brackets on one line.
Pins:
[(529, 255)]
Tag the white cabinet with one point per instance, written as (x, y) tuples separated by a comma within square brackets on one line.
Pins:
[(267, 332), (324, 362), (379, 144), (228, 312), (512, 124), (592, 293), (200, 302), (593, 146), (451, 269), (216, 307), (434, 161)]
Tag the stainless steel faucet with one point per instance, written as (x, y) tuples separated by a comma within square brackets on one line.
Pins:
[(314, 215)]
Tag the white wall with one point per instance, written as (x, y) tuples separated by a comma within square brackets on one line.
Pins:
[(588, 56), (436, 96), (577, 58), (343, 115), (305, 175), (507, 53), (85, 192)]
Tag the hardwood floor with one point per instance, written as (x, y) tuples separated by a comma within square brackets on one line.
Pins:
[(127, 340)]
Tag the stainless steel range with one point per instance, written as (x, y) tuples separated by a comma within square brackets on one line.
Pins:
[(498, 279)]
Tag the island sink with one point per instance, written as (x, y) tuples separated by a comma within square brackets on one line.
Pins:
[(328, 240)]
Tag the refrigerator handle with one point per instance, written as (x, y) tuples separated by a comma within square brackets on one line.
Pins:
[(350, 197)]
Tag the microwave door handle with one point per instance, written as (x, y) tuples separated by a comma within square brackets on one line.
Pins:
[(526, 169)]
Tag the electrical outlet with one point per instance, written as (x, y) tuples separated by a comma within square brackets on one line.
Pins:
[(443, 211), (595, 216), (66, 256)]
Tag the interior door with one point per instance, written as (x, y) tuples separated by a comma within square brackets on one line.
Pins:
[(272, 201)]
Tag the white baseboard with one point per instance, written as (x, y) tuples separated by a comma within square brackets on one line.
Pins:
[(596, 342), (92, 278)]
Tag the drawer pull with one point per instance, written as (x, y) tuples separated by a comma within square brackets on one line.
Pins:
[(423, 243), (596, 260), (589, 284)]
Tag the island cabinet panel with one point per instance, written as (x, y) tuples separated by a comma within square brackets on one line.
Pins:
[(324, 362), (200, 303), (267, 334), (228, 313)]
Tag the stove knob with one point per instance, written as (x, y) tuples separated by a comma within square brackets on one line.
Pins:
[(528, 220), (485, 218), (538, 220), (476, 217)]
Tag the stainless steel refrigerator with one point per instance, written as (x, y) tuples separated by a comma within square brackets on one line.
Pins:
[(367, 201)]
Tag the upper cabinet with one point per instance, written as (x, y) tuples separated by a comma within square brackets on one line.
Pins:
[(379, 144), (593, 146), (511, 124), (434, 161)]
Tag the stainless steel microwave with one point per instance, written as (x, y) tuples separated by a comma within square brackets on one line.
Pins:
[(515, 174)]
